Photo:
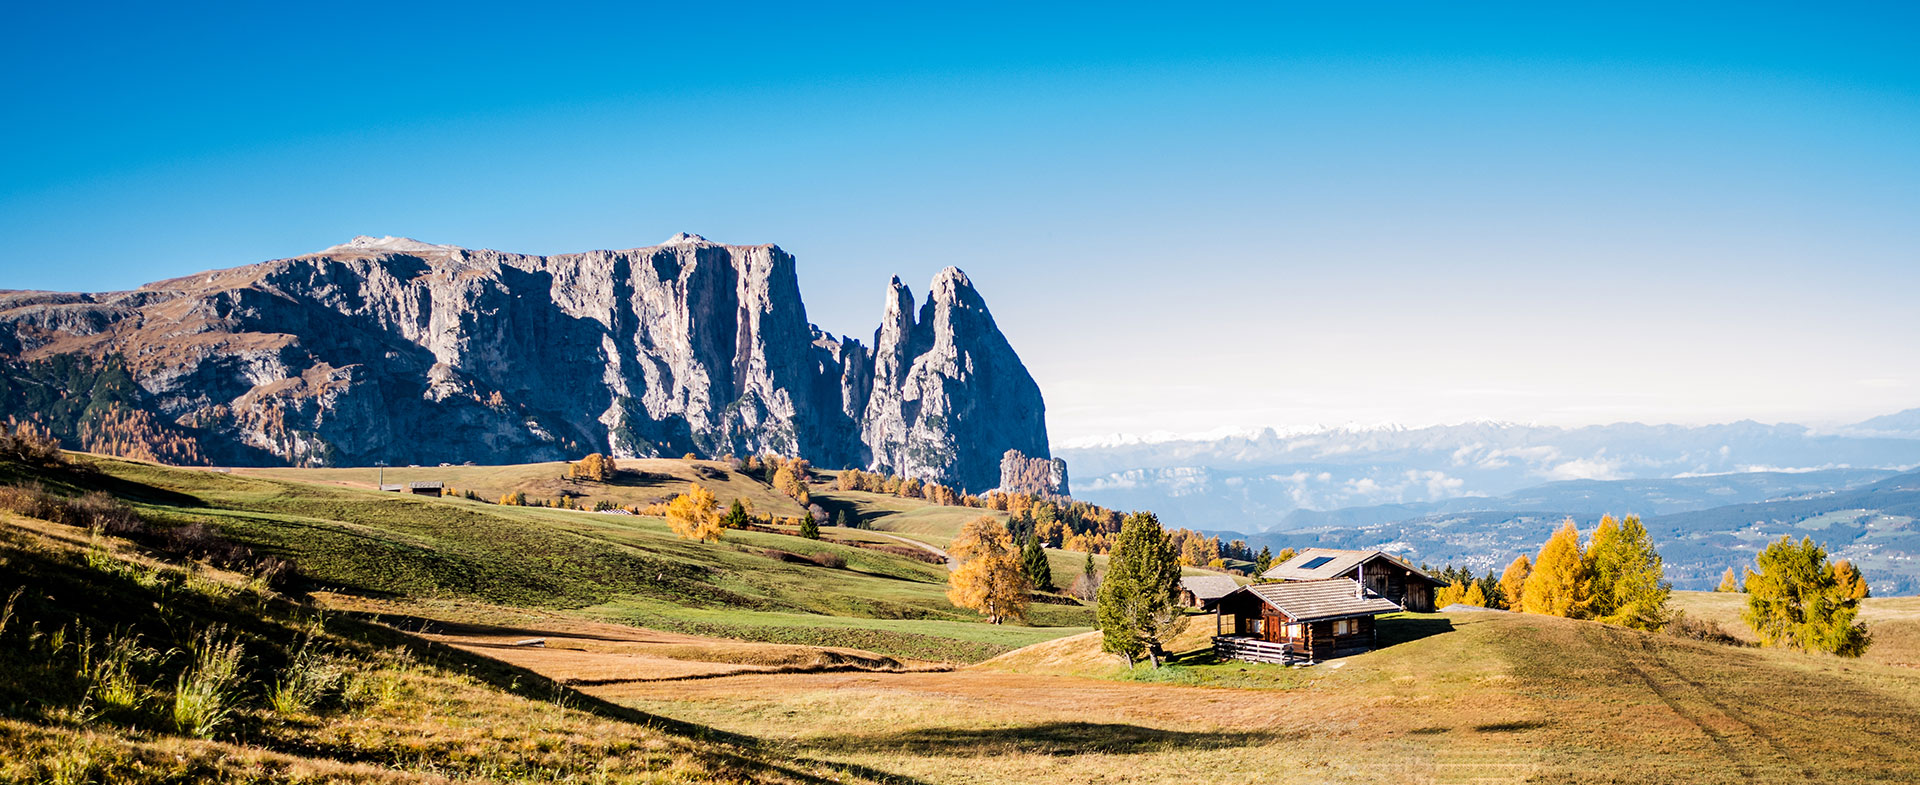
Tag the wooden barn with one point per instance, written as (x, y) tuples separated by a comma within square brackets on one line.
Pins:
[(1382, 573), (1302, 620), (1203, 591)]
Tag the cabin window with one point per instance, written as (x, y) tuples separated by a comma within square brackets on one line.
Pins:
[(1296, 631), (1346, 627), (1257, 626)]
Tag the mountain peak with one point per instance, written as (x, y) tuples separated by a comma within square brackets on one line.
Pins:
[(684, 238), (388, 243)]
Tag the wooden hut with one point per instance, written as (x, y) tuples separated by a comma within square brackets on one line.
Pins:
[(1382, 573), (1202, 591), (1301, 620)]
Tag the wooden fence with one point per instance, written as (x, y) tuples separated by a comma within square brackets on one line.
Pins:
[(1232, 647)]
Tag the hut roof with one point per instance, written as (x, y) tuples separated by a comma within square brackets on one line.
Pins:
[(1334, 598), (1315, 564), (1209, 587)]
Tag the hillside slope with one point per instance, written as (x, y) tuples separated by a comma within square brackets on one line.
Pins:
[(754, 585), (97, 643)]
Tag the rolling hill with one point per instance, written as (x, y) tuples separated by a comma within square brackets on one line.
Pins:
[(499, 644)]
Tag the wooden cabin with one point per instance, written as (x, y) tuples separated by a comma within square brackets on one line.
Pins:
[(1203, 591), (1382, 573), (1301, 620)]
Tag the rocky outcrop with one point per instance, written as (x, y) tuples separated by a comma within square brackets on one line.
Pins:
[(1020, 473), (396, 350)]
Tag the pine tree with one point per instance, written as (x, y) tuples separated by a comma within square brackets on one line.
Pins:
[(1603, 565), (989, 578), (1559, 583), (840, 518), (809, 528), (1513, 582), (736, 517), (1033, 561), (1793, 600), (1637, 589), (1264, 561), (1729, 581), (1139, 608)]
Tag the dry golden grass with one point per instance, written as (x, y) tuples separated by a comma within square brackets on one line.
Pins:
[(642, 481), (1894, 622)]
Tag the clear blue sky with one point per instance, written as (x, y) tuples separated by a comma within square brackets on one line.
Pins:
[(1184, 219)]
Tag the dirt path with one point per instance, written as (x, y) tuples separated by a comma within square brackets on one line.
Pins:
[(952, 563)]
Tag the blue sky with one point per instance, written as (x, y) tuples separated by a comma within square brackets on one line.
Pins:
[(1184, 219)]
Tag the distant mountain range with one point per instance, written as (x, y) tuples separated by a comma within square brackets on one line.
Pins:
[(1256, 481), (1875, 524)]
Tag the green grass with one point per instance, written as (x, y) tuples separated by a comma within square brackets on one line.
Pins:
[(641, 481), (407, 711), (376, 544)]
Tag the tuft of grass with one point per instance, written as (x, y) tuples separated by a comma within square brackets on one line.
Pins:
[(112, 681), (309, 677), (204, 697)]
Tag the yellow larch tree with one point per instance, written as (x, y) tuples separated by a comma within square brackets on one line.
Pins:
[(989, 579), (1513, 582), (695, 515), (1559, 584)]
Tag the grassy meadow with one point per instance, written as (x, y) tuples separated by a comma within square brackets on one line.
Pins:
[(664, 660)]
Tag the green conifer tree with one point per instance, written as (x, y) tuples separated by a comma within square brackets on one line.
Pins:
[(1793, 600), (1139, 608), (1033, 561)]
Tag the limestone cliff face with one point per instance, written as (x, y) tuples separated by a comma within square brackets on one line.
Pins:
[(396, 350)]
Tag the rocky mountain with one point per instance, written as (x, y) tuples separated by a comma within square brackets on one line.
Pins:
[(396, 350)]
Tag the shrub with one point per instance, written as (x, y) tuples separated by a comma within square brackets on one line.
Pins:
[(1694, 628), (29, 442), (203, 697), (828, 559)]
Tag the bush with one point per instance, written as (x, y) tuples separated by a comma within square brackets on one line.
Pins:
[(828, 559), (1694, 628), (29, 442)]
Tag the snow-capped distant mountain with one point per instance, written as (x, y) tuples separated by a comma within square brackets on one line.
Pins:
[(1250, 480)]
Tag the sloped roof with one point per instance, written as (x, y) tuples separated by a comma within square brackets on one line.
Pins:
[(1325, 599), (1209, 587), (1333, 563)]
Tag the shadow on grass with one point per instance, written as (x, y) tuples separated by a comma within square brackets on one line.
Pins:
[(1510, 727), (534, 686), (1399, 629), (1054, 738)]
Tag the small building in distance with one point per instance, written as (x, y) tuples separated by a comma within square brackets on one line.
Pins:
[(1202, 591), (417, 488), (1382, 573), (1304, 620)]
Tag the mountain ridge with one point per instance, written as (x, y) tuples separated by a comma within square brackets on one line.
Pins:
[(399, 350)]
